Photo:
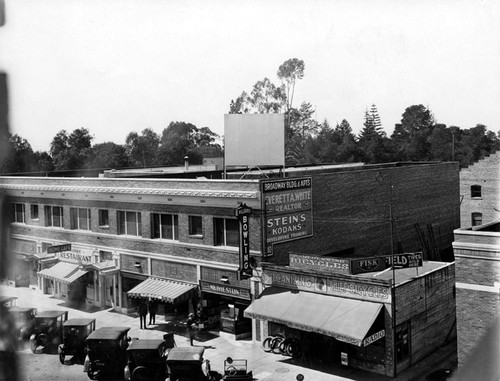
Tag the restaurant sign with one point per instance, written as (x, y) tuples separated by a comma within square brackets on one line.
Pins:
[(220, 289), (59, 248), (287, 206)]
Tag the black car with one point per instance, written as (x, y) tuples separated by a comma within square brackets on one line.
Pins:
[(187, 364), (24, 321), (106, 352), (146, 359), (75, 332), (47, 331)]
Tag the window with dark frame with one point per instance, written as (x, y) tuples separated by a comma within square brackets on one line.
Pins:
[(53, 216), (34, 211), (19, 213), (103, 218), (475, 191), (129, 223), (79, 218), (477, 219), (165, 226), (226, 232), (195, 225)]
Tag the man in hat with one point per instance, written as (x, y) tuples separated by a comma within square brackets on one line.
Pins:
[(143, 312), (191, 327)]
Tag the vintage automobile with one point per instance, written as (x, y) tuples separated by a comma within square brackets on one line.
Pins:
[(48, 331), (24, 321), (75, 332), (187, 364), (146, 358), (106, 352), (7, 301), (236, 370)]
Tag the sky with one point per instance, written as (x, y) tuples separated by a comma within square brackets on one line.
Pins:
[(118, 66)]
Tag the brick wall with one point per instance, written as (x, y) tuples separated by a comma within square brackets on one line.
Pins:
[(351, 209), (485, 173)]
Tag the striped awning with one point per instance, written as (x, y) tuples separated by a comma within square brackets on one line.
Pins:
[(63, 272), (166, 290)]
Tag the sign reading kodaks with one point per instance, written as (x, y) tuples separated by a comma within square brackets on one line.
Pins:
[(287, 206)]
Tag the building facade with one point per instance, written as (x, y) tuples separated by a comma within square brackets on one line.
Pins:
[(202, 245), (480, 192)]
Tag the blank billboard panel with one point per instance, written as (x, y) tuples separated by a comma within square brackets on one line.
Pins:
[(254, 139)]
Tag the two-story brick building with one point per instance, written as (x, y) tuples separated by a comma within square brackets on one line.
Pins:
[(110, 241)]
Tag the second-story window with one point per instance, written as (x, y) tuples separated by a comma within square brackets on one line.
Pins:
[(475, 191), (19, 213), (195, 225), (103, 218), (165, 226), (53, 216), (129, 223), (34, 211), (226, 232), (477, 219), (79, 218)]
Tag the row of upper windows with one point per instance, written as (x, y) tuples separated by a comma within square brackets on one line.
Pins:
[(163, 226)]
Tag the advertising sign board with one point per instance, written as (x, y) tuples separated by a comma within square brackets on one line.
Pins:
[(59, 248), (373, 264), (243, 214), (287, 205), (337, 265)]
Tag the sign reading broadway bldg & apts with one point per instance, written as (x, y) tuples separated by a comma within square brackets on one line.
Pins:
[(287, 206)]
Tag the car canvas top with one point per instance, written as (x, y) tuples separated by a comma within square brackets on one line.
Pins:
[(108, 333), (186, 354), (78, 322), (21, 309), (50, 314), (144, 344)]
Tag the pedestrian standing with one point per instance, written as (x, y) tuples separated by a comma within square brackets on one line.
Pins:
[(153, 308), (191, 327), (143, 312)]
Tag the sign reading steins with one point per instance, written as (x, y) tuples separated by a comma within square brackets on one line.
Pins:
[(287, 206), (243, 213)]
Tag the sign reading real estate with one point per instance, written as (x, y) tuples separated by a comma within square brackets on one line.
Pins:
[(243, 213), (287, 206)]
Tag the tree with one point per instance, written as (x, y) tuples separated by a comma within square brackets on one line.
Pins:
[(411, 136), (288, 72), (21, 158), (71, 151), (108, 155), (372, 142), (142, 150)]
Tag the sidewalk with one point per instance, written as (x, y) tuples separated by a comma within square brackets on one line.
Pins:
[(265, 366)]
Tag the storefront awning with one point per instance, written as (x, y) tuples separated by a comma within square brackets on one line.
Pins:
[(63, 272), (346, 320), (167, 290)]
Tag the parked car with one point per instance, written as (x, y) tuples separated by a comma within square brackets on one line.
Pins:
[(24, 321), (106, 352), (187, 364), (146, 359), (236, 370), (48, 331), (7, 301), (75, 332)]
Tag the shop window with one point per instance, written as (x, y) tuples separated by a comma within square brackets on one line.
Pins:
[(402, 342), (165, 226), (19, 213), (103, 218), (129, 223), (475, 191), (226, 232), (34, 211), (477, 219), (54, 216), (195, 225), (79, 218)]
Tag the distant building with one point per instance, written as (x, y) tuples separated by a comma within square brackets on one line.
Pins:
[(208, 244), (480, 192)]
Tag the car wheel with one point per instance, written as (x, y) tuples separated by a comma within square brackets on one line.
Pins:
[(266, 344), (141, 373)]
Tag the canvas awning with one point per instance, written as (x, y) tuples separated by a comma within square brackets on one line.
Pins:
[(63, 272), (166, 290), (346, 320)]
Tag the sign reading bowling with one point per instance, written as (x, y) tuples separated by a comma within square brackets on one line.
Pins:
[(243, 214), (287, 206)]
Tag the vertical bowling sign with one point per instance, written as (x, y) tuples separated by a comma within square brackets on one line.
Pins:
[(243, 213)]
